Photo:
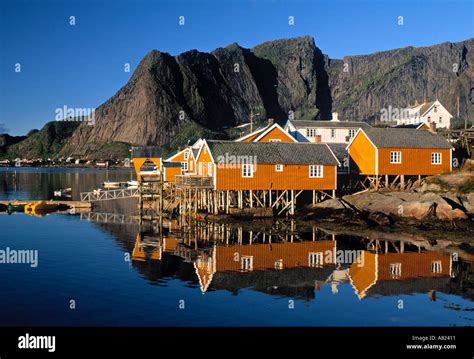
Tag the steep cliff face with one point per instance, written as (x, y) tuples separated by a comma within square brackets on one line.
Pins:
[(362, 85), (211, 91), (214, 90)]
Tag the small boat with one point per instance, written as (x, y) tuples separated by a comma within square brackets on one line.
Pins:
[(40, 207), (132, 184), (11, 208), (63, 192), (111, 184)]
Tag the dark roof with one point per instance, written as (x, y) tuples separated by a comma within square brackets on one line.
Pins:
[(274, 152), (171, 164), (195, 151), (329, 124), (146, 152), (413, 125), (426, 106), (339, 150), (405, 138)]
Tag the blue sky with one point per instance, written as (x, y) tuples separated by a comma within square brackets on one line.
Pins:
[(83, 65)]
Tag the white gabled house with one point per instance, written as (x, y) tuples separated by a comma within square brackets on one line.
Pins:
[(333, 131), (429, 112)]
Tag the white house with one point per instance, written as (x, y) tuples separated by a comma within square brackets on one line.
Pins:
[(428, 112), (333, 131)]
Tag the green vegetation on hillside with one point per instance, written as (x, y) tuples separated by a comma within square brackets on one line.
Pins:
[(45, 143)]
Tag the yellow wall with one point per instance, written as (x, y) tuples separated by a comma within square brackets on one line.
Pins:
[(363, 155)]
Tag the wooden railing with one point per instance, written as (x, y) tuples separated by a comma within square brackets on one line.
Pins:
[(194, 181), (105, 195)]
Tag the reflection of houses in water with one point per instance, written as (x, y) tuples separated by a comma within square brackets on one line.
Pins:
[(218, 257), (386, 273), (263, 257)]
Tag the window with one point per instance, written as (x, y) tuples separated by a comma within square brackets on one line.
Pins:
[(184, 166), (436, 267), (352, 133), (191, 165), (395, 270), (209, 168), (274, 140), (315, 171), (333, 133), (186, 155), (247, 170), (279, 264), (279, 168), (315, 259), (200, 169), (247, 263), (395, 157), (310, 132), (436, 158), (440, 120), (429, 118), (435, 109)]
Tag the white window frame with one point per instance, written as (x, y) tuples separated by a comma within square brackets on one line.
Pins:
[(279, 264), (278, 168), (311, 132), (315, 259), (184, 166), (200, 168), (274, 140), (333, 133), (247, 170), (246, 263), (190, 165), (209, 169), (186, 155), (395, 270), (436, 158), (352, 132), (316, 171), (436, 267), (395, 157)]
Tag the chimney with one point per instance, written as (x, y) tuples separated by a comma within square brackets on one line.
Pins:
[(334, 116), (270, 121)]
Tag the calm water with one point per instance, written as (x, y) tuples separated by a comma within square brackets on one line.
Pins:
[(118, 273)]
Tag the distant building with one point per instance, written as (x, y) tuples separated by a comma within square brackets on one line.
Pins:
[(432, 113), (333, 131)]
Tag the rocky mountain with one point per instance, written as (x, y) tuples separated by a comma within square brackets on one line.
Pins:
[(362, 85), (198, 93), (44, 143), (211, 91)]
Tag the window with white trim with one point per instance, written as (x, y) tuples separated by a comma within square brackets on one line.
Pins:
[(246, 263), (279, 168), (191, 165), (436, 267), (333, 133), (274, 140), (209, 168), (247, 170), (315, 171), (311, 132), (315, 259), (186, 155), (200, 169), (395, 157), (184, 166), (352, 132), (435, 158), (395, 270), (279, 264)]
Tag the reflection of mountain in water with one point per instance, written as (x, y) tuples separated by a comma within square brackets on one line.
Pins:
[(290, 264)]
